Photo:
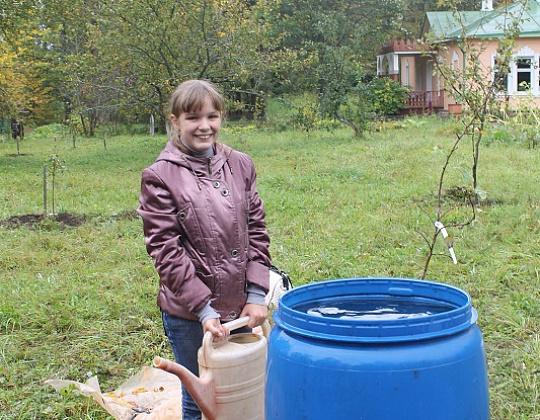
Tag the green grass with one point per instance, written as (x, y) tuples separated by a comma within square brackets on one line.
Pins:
[(80, 300)]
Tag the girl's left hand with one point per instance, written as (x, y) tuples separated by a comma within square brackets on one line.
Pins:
[(257, 314), (216, 328)]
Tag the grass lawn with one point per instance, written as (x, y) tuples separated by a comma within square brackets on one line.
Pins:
[(78, 293)]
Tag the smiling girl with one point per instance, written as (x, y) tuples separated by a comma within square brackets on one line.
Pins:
[(204, 227)]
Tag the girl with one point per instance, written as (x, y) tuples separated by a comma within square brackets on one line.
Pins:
[(204, 227)]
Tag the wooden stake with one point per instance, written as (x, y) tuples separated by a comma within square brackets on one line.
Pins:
[(45, 189)]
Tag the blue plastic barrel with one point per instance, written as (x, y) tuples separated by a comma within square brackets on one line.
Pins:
[(426, 365)]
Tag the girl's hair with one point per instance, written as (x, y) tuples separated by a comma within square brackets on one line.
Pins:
[(191, 95)]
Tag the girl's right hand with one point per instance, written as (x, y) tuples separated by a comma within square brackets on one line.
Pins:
[(216, 328)]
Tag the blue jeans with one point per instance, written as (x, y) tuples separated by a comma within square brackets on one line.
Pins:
[(185, 337)]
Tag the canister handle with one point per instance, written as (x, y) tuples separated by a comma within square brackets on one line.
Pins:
[(237, 323), (232, 325), (242, 322)]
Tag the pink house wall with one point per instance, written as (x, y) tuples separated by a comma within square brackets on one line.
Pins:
[(524, 48), (406, 62)]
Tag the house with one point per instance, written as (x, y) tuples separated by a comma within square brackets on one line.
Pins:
[(411, 62)]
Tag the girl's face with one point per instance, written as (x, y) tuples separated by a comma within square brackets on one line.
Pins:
[(199, 130)]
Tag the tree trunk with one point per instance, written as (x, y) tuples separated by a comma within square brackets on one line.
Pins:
[(357, 131), (83, 122)]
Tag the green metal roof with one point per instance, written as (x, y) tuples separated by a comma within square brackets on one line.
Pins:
[(486, 24)]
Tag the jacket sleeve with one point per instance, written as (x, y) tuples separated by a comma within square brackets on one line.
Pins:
[(259, 259), (162, 238)]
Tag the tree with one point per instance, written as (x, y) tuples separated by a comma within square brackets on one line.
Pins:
[(12, 15), (78, 72), (334, 42), (92, 60), (24, 93), (165, 42), (10, 85), (120, 59), (55, 165), (467, 85)]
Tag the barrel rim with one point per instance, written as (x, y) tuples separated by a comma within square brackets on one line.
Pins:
[(450, 322)]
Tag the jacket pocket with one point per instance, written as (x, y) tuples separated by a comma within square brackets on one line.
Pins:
[(207, 279), (192, 235)]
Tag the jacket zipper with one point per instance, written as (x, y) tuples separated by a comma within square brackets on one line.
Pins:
[(210, 166)]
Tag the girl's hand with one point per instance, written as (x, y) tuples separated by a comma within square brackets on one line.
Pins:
[(216, 328), (257, 314)]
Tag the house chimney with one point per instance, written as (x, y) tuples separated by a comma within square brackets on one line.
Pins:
[(487, 5)]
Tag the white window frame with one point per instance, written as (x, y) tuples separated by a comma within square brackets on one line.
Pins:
[(508, 76), (529, 71), (523, 53), (455, 61)]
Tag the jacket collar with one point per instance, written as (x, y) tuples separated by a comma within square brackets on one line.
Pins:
[(199, 166)]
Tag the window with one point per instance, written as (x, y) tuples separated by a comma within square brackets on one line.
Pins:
[(386, 66), (500, 76), (536, 67), (455, 61), (524, 74), (407, 74)]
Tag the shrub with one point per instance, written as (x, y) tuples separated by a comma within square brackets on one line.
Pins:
[(50, 131), (386, 95)]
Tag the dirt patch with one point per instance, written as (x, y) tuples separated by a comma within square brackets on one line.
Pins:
[(61, 220), (465, 196), (458, 196), (33, 220), (15, 155)]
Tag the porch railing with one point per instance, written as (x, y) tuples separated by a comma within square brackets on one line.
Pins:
[(425, 99)]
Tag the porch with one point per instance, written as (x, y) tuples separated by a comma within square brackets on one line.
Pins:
[(424, 101)]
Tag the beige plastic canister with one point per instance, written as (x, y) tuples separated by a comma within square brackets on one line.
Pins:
[(232, 374)]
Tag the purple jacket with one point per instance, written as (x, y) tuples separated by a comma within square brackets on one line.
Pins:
[(204, 227)]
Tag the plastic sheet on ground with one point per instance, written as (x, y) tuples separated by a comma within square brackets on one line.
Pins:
[(152, 394)]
